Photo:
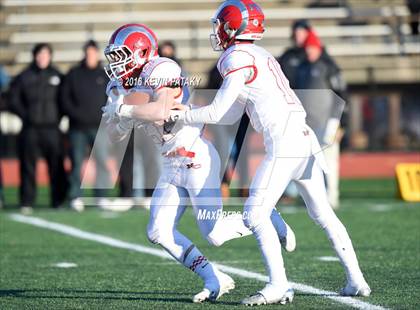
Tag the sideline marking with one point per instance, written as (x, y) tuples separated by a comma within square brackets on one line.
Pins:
[(75, 232)]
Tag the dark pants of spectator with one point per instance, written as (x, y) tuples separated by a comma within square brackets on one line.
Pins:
[(414, 28), (239, 147), (141, 156), (147, 163), (126, 171), (48, 143), (80, 142), (414, 8), (1, 189)]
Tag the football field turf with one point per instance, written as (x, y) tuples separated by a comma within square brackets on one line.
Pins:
[(124, 272)]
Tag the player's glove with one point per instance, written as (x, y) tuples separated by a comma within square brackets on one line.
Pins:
[(177, 114), (174, 119)]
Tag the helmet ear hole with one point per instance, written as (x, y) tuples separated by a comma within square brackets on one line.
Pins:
[(230, 32), (137, 57)]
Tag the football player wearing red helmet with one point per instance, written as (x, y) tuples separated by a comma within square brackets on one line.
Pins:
[(236, 21), (254, 81), (130, 48), (190, 164)]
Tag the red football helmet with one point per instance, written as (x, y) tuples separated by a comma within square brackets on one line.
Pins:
[(131, 46), (236, 20)]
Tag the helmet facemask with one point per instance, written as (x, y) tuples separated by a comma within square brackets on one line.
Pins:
[(121, 62), (215, 41), (220, 38)]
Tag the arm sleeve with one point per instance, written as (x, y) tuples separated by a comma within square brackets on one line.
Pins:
[(223, 109)]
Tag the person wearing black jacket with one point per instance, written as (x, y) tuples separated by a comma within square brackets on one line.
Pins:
[(83, 94), (33, 97), (293, 56)]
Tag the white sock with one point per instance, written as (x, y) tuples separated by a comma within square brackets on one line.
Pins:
[(186, 253), (343, 247), (270, 247), (198, 263)]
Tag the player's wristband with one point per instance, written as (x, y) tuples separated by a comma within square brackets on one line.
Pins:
[(126, 111)]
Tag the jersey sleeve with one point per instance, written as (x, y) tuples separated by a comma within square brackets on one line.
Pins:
[(238, 60), (224, 109)]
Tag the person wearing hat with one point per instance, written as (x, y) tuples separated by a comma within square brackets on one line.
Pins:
[(33, 97), (82, 95), (295, 55)]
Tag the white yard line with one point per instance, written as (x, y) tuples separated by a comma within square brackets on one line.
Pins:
[(328, 259), (77, 233)]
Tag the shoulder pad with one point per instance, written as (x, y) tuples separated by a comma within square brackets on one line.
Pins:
[(233, 60), (161, 72)]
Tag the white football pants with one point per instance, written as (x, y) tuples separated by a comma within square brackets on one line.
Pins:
[(296, 157), (197, 180)]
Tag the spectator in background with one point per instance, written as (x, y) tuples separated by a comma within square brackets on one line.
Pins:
[(323, 110), (82, 96), (168, 49), (4, 82), (295, 55), (34, 98), (414, 7)]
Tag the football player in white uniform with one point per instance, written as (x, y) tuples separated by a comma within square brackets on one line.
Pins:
[(254, 81), (140, 78)]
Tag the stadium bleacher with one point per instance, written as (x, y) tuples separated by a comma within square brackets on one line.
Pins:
[(361, 28), (367, 38)]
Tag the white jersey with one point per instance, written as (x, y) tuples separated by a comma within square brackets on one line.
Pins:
[(159, 73), (269, 101)]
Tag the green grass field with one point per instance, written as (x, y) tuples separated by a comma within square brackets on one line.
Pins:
[(385, 232)]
